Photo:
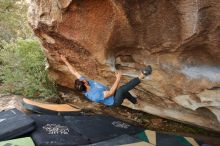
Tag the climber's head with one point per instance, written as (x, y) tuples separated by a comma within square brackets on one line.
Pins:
[(81, 86)]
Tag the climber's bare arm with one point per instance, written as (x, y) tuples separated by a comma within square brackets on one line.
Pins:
[(70, 67), (114, 86)]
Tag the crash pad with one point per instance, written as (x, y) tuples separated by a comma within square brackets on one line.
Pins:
[(45, 108), (52, 130), (161, 139), (14, 123), (120, 140), (100, 127), (138, 144), (26, 141)]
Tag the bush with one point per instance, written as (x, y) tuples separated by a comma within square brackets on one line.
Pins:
[(23, 69), (13, 20)]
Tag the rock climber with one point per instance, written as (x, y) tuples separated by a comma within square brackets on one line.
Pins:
[(97, 92)]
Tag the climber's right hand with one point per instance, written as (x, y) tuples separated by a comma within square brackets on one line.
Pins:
[(63, 58)]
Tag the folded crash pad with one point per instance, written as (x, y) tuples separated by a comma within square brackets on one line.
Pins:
[(161, 139), (55, 109), (14, 123), (99, 127), (51, 130), (27, 141)]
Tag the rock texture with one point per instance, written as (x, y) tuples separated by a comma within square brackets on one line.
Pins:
[(9, 101), (179, 38)]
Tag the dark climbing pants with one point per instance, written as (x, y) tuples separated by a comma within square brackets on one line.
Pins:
[(122, 92)]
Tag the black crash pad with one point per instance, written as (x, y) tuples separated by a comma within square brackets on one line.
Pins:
[(99, 127), (120, 140), (14, 123), (52, 131)]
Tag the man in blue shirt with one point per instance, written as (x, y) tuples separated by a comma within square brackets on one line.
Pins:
[(97, 92)]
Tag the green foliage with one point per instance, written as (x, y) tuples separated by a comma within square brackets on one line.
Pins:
[(13, 20), (23, 69), (22, 63)]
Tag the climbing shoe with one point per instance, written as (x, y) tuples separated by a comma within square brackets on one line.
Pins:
[(147, 70)]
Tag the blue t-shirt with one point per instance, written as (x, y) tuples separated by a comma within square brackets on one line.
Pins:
[(96, 92)]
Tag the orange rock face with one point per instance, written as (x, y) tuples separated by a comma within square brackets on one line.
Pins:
[(179, 38)]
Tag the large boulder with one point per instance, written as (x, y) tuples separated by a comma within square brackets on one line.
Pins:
[(179, 38)]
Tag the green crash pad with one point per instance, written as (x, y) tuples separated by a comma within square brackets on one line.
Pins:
[(161, 139), (27, 141)]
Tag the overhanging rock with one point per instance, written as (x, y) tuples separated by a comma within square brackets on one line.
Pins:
[(179, 38)]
